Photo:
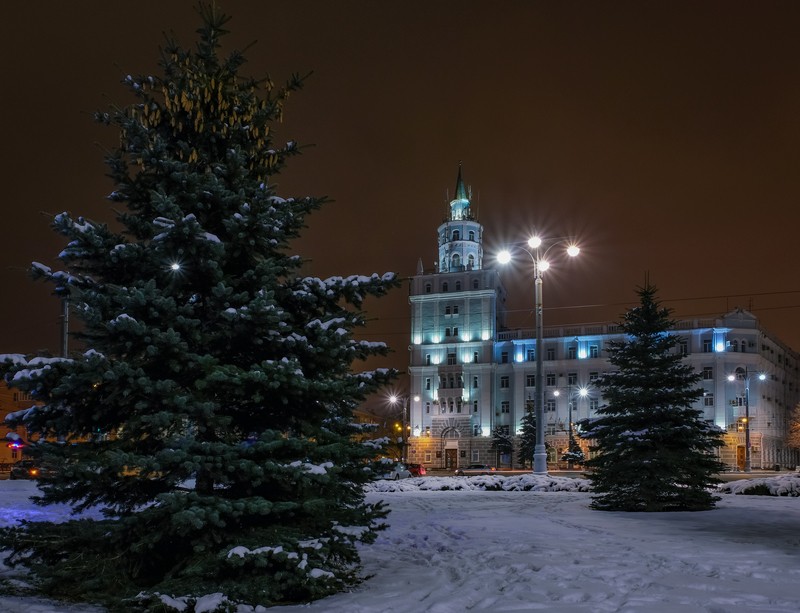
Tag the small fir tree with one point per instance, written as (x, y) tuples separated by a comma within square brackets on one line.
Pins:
[(655, 451), (211, 417)]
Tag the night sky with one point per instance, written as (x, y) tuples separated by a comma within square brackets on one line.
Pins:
[(664, 136)]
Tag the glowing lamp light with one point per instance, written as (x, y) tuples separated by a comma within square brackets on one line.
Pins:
[(583, 392), (504, 257), (762, 376), (485, 430), (534, 242), (556, 393), (573, 250), (582, 354), (519, 358), (720, 347), (175, 266), (543, 265)]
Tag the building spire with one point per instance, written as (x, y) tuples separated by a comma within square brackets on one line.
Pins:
[(461, 191)]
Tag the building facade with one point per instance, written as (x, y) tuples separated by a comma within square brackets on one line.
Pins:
[(469, 374)]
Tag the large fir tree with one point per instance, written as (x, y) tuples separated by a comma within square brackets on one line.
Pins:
[(210, 418), (654, 450)]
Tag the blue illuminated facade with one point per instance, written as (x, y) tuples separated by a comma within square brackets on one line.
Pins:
[(470, 375)]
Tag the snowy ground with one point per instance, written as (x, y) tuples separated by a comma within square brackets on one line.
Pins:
[(501, 551)]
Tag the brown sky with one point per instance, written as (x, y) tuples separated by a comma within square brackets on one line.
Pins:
[(664, 135)]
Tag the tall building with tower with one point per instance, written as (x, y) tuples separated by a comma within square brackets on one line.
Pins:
[(470, 375)]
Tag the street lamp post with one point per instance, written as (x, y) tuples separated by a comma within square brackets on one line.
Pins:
[(406, 427), (540, 264), (761, 377)]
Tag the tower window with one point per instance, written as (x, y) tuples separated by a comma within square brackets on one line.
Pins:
[(456, 235), (471, 261), (472, 235), (428, 288), (444, 286)]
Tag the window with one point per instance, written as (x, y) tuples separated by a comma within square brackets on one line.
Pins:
[(458, 405), (708, 400), (505, 406), (428, 288), (550, 405), (474, 284), (476, 430), (428, 408), (456, 235), (475, 357), (504, 357), (504, 382), (572, 352), (456, 265), (531, 355), (458, 286), (475, 456), (427, 359), (427, 383), (551, 353), (594, 404), (470, 262), (706, 345), (474, 382), (551, 379), (447, 331), (572, 378), (447, 310), (472, 235), (474, 406), (594, 376), (451, 359), (427, 453), (450, 405), (594, 351), (530, 380), (683, 347), (445, 286), (455, 309), (708, 373), (22, 396), (455, 330)]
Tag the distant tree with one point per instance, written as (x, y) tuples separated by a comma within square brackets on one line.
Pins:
[(502, 443), (655, 452), (212, 414), (574, 453), (793, 438)]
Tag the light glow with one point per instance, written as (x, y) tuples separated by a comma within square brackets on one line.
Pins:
[(583, 392), (534, 242), (573, 250), (543, 265), (504, 257), (720, 347)]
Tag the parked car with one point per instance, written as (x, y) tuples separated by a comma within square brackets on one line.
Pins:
[(25, 469), (475, 469), (395, 471), (416, 470)]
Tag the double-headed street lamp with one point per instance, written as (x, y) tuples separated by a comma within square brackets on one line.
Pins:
[(745, 376), (538, 254)]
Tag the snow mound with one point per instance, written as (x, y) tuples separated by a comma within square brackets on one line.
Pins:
[(515, 483), (782, 485)]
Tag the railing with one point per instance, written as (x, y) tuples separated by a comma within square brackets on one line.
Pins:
[(592, 330)]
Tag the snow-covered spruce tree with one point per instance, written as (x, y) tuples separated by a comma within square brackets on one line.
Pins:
[(502, 443), (210, 416), (527, 435), (655, 452)]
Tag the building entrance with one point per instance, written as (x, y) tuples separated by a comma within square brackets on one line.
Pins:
[(451, 458)]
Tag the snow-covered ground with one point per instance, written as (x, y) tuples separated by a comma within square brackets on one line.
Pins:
[(449, 551)]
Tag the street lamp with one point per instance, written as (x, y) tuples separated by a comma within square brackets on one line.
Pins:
[(746, 378), (403, 401), (538, 256)]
